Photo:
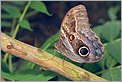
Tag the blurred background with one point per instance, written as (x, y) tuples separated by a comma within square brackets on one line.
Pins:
[(42, 21)]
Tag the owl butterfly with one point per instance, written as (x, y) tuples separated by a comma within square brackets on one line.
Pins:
[(77, 41)]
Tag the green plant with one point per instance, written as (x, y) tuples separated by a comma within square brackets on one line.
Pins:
[(109, 33)]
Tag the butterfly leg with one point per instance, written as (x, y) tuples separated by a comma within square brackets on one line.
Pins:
[(53, 55)]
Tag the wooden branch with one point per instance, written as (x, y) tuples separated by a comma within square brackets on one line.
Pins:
[(46, 60)]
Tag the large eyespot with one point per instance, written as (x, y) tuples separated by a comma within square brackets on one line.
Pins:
[(83, 51), (71, 37)]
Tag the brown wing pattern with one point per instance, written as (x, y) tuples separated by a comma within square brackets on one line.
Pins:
[(76, 24)]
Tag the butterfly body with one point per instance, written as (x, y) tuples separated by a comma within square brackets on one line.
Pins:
[(77, 41)]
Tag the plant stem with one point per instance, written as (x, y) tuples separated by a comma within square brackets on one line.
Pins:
[(13, 26), (10, 64), (14, 36), (21, 18), (5, 58)]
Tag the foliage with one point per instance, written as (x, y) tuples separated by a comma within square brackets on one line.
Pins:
[(25, 24), (109, 32), (39, 6)]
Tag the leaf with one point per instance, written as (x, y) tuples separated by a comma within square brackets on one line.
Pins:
[(62, 78), (91, 67), (98, 30), (6, 16), (50, 41), (112, 12), (19, 3), (12, 10), (39, 6), (5, 24), (108, 31), (102, 62), (113, 74), (4, 67), (25, 25), (111, 63), (106, 59), (114, 49), (31, 13), (7, 76), (111, 30), (25, 65), (31, 65), (29, 75), (26, 73)]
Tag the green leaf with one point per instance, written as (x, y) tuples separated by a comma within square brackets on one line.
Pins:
[(4, 67), (20, 3), (24, 72), (39, 6), (7, 76), (111, 63), (31, 13), (50, 41), (98, 30), (31, 65), (111, 30), (25, 25), (113, 74), (25, 65), (102, 62), (29, 75), (5, 24), (114, 49), (62, 78), (112, 12), (12, 10), (6, 16), (91, 67)]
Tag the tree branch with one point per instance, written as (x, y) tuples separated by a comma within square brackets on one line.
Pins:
[(45, 59)]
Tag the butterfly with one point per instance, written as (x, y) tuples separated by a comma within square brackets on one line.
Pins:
[(77, 41)]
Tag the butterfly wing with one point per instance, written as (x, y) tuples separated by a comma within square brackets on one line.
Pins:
[(75, 32)]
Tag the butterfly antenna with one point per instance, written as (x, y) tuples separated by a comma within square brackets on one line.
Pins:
[(64, 59), (49, 28)]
